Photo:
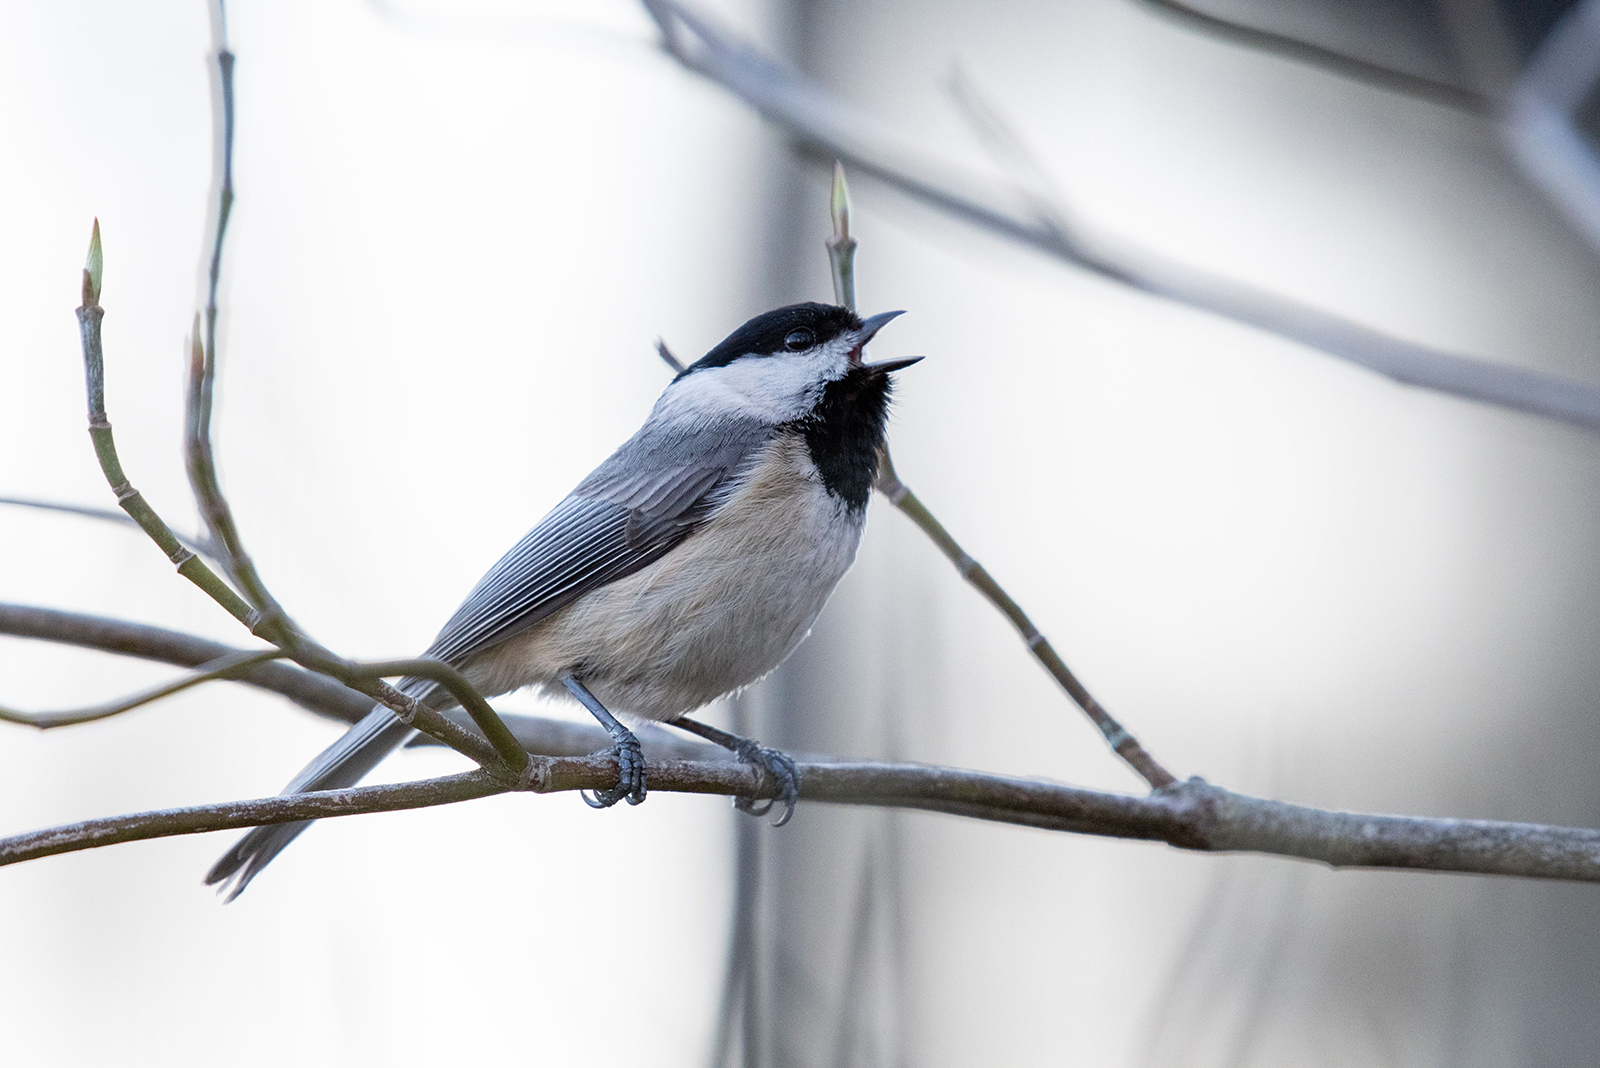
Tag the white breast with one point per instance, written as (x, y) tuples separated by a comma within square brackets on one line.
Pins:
[(715, 614)]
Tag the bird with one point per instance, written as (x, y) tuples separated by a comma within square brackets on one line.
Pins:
[(685, 567)]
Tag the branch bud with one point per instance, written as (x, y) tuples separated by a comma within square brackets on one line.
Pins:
[(839, 205), (93, 268)]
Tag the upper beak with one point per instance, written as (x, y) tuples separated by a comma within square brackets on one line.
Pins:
[(869, 327)]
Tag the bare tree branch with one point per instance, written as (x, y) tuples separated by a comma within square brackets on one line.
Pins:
[(1191, 815), (825, 127)]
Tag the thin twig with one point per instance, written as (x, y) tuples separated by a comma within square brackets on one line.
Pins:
[(190, 566), (668, 358), (841, 258), (823, 126), (304, 651), (1191, 815), (312, 691), (229, 666), (200, 462), (192, 544)]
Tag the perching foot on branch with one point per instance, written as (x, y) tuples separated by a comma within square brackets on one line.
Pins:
[(774, 762), (629, 754)]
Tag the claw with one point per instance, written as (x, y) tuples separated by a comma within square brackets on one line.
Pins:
[(630, 775), (784, 774)]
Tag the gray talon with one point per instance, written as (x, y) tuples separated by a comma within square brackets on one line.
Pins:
[(630, 775), (784, 774)]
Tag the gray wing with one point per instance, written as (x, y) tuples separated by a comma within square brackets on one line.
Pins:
[(632, 510)]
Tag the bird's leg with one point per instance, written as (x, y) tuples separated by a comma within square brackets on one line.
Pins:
[(776, 763), (630, 758)]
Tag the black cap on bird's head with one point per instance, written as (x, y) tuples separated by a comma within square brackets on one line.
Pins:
[(799, 328)]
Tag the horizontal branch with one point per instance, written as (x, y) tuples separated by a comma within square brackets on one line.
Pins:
[(1192, 815), (823, 125)]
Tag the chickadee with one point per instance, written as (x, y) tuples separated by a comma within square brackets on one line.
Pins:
[(688, 565)]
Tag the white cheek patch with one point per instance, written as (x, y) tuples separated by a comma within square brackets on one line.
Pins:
[(773, 389)]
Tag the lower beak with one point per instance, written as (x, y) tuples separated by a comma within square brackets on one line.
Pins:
[(885, 366)]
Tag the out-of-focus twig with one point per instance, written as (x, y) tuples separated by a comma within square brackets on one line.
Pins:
[(823, 126), (315, 692), (192, 544), (1190, 815), (1445, 94), (841, 256), (224, 667), (668, 358)]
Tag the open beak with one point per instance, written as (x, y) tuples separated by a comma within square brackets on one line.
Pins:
[(869, 327)]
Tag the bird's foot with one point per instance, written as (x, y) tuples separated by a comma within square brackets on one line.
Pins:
[(630, 773), (785, 775), (624, 746)]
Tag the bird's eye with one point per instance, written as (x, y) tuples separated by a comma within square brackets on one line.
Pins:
[(799, 340)]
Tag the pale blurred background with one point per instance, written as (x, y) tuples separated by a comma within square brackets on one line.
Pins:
[(459, 230)]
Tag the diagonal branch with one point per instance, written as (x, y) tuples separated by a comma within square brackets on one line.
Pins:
[(1191, 815), (841, 258), (1436, 91), (823, 126)]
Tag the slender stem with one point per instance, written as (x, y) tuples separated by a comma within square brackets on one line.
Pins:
[(200, 461), (121, 519), (131, 500), (841, 257), (1124, 744), (229, 666)]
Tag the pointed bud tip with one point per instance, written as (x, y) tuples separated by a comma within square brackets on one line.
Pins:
[(839, 202), (93, 268)]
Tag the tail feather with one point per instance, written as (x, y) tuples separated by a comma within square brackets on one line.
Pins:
[(344, 763)]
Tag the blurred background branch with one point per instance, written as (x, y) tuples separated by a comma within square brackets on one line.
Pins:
[(825, 127)]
